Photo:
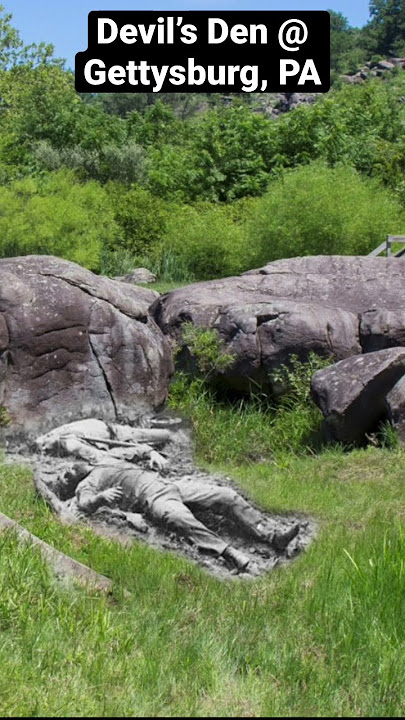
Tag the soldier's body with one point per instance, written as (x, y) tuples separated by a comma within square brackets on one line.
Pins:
[(110, 479)]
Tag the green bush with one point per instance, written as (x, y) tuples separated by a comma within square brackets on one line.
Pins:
[(307, 211), (291, 382), (56, 216), (207, 349), (210, 239), (141, 218), (318, 210), (5, 418)]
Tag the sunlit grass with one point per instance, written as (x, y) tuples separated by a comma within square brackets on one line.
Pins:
[(323, 636)]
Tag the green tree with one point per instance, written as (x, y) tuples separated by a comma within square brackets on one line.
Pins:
[(156, 126), (38, 103), (13, 51), (385, 33), (224, 154), (343, 44)]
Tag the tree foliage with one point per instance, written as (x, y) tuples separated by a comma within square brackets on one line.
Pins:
[(385, 33), (197, 186)]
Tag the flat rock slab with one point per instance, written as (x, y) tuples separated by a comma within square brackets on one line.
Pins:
[(331, 305), (352, 393), (72, 342), (62, 565)]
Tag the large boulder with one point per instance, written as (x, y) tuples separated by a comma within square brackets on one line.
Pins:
[(74, 344), (335, 306), (352, 393)]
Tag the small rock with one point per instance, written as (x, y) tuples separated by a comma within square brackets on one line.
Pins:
[(139, 276)]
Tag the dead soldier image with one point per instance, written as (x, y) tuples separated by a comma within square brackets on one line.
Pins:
[(122, 471)]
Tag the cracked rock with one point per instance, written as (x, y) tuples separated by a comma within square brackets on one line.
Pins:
[(73, 343), (332, 305)]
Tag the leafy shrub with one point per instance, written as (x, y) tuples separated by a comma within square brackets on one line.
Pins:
[(292, 380), (56, 216), (123, 164), (260, 427), (207, 349), (141, 218), (5, 418), (318, 210), (210, 239)]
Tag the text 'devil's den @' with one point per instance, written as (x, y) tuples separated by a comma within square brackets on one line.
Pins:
[(162, 53)]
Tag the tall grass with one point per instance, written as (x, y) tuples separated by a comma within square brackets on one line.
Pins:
[(168, 266), (261, 426)]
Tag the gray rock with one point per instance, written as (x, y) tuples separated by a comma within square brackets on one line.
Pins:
[(352, 393), (385, 65), (396, 407), (382, 328), (72, 343), (289, 101), (139, 276), (349, 79), (332, 305)]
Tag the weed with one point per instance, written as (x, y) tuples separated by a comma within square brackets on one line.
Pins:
[(5, 418), (207, 349)]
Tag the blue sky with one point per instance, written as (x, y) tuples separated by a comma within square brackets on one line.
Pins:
[(64, 24)]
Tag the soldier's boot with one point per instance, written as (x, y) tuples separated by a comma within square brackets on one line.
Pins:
[(239, 559), (280, 541)]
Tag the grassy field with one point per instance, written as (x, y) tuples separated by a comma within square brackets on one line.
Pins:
[(323, 636)]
